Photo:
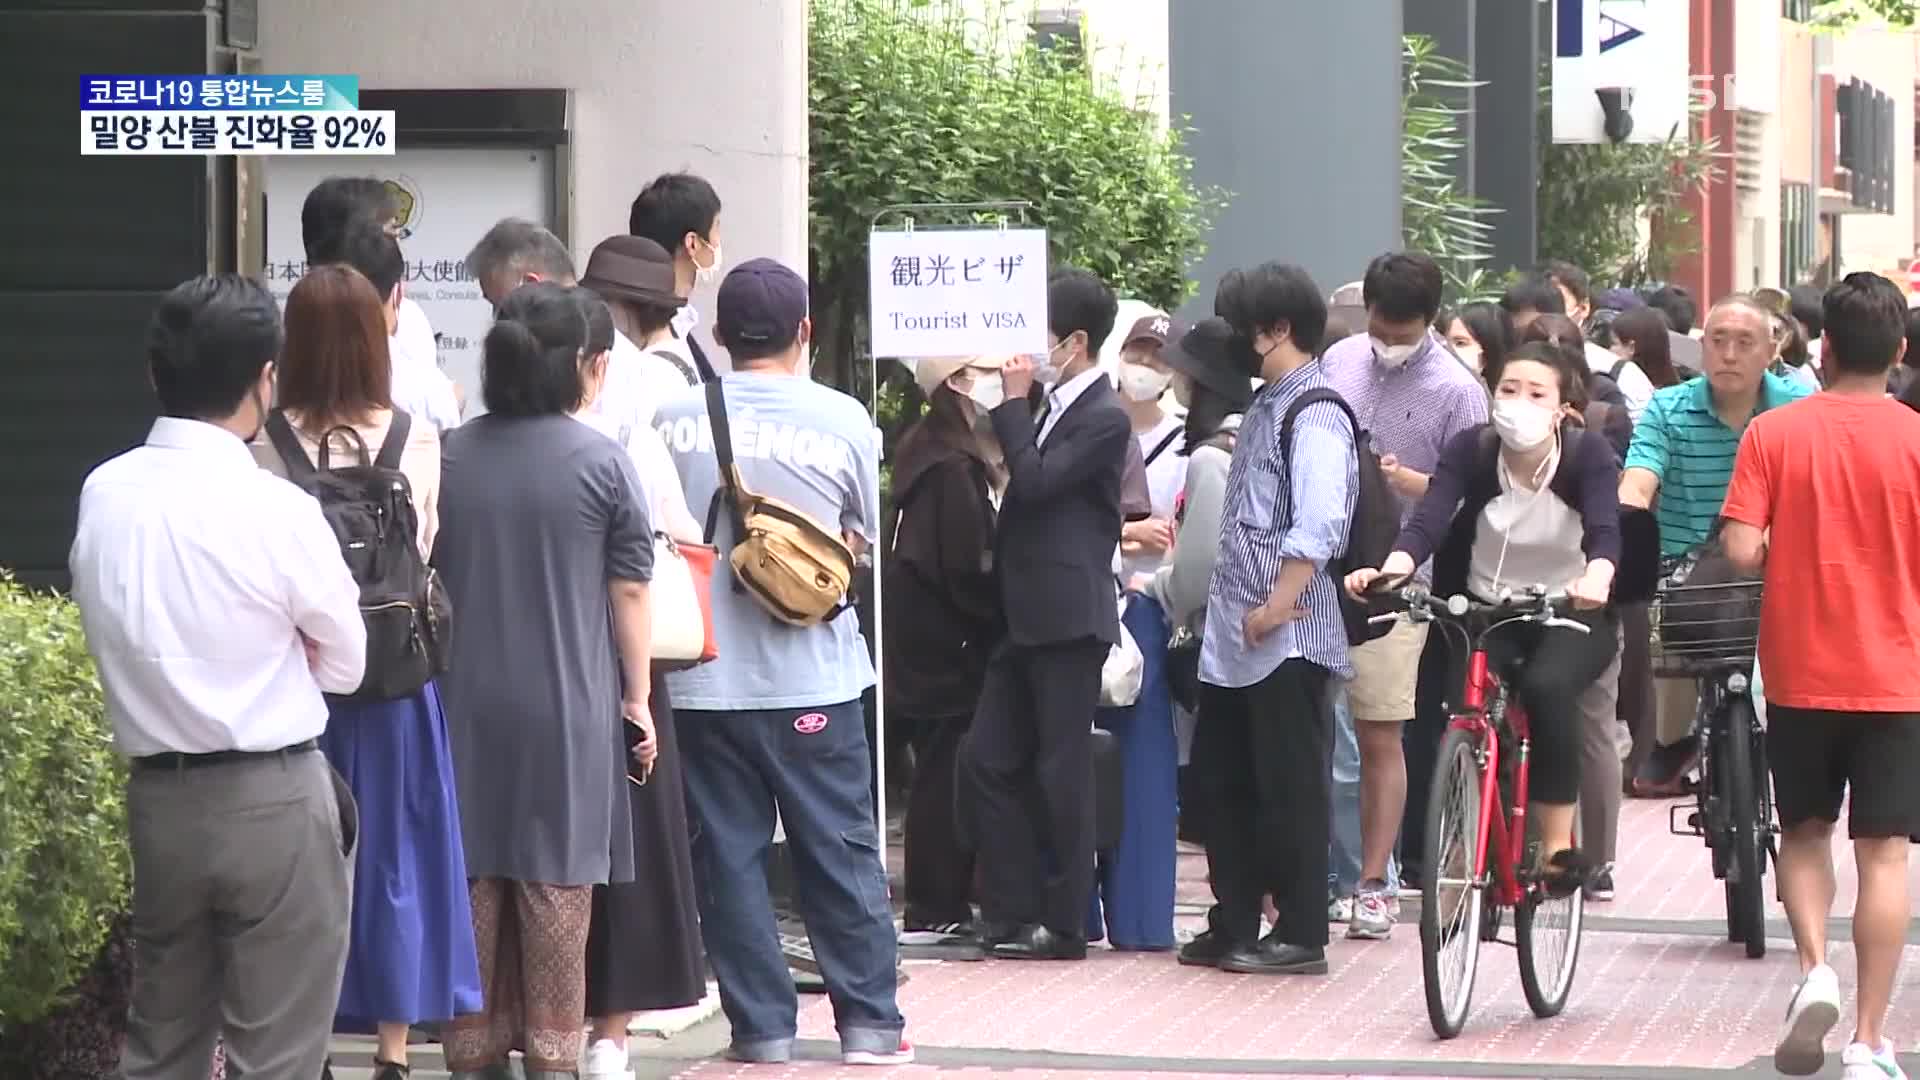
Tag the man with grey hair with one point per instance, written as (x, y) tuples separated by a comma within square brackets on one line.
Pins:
[(518, 252)]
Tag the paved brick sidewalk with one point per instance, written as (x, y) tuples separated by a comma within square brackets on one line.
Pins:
[(1659, 993)]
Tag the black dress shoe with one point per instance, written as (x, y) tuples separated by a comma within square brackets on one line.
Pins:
[(1207, 950), (1270, 956), (990, 934), (1040, 943)]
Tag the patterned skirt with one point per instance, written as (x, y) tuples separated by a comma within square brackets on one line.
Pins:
[(532, 940)]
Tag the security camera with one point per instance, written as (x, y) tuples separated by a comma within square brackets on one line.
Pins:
[(1617, 103)]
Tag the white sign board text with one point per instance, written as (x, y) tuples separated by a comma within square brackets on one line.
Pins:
[(958, 292)]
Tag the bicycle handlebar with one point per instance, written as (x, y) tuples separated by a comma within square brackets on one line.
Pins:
[(1535, 605)]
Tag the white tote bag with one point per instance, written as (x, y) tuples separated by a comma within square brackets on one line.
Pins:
[(1121, 675), (679, 629)]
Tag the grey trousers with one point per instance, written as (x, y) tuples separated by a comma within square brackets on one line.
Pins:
[(1600, 765), (242, 885)]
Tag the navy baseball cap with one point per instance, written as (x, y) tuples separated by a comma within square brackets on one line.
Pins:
[(760, 306)]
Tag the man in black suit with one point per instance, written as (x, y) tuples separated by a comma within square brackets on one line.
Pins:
[(1059, 528)]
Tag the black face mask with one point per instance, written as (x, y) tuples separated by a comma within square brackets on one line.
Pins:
[(1244, 356)]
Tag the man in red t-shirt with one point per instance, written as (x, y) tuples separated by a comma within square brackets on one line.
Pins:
[(1826, 494)]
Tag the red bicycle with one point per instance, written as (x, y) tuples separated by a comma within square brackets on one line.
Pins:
[(1479, 859)]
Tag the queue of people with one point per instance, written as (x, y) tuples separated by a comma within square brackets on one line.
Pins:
[(416, 730), (394, 685)]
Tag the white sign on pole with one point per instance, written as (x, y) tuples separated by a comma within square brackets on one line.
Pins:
[(958, 292), (1640, 47)]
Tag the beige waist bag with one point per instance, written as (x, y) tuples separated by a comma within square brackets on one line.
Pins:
[(797, 569)]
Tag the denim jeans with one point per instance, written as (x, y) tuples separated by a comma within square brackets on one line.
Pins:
[(809, 765), (1344, 839)]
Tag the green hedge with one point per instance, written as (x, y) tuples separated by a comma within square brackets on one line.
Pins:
[(65, 873)]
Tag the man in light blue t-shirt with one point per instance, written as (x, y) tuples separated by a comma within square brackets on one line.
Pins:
[(775, 724)]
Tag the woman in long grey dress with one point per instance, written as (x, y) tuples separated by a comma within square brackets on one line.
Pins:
[(547, 551)]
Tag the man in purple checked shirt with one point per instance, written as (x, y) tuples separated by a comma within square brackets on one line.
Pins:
[(1412, 395)]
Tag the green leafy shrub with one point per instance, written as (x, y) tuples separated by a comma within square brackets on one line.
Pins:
[(1438, 217), (64, 862), (911, 102)]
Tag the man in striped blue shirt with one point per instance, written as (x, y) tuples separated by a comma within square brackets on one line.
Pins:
[(1272, 637), (1684, 444)]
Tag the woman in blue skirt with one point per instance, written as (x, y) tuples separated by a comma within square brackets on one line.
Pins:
[(411, 957)]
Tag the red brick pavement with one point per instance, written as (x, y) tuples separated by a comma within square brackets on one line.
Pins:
[(1661, 988)]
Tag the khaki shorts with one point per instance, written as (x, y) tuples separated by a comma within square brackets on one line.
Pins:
[(1385, 671)]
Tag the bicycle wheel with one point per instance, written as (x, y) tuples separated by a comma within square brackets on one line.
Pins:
[(1547, 932), (1746, 829), (1450, 891)]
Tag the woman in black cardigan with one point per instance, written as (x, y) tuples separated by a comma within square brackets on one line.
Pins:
[(1530, 499)]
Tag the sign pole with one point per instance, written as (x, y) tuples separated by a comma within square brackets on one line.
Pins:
[(906, 213)]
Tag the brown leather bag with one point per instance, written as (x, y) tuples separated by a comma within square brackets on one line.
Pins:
[(798, 570)]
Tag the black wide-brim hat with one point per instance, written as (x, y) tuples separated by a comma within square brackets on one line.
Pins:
[(1206, 354)]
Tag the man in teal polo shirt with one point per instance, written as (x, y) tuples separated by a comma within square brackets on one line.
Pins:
[(1683, 450), (1684, 444)]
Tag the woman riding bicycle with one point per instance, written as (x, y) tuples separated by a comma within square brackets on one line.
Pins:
[(1529, 500)]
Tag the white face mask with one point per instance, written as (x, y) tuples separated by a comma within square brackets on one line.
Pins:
[(1392, 355), (706, 273), (1141, 383), (1470, 354), (1045, 371), (1522, 424), (987, 391)]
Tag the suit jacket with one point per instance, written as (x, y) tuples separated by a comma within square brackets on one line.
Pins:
[(1060, 519)]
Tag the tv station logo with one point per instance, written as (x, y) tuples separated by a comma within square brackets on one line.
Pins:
[(146, 115)]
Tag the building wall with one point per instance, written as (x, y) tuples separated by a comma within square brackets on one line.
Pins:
[(1880, 241), (1127, 39), (718, 88)]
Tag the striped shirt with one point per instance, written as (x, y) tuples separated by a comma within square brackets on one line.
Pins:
[(1683, 443), (1412, 411), (1264, 522)]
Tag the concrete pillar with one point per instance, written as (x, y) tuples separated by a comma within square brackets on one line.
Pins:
[(1296, 111), (1507, 129)]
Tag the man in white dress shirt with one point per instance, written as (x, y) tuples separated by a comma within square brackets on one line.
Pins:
[(333, 209), (218, 608), (517, 252)]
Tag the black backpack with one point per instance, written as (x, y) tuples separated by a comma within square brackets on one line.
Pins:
[(369, 505), (1372, 530)]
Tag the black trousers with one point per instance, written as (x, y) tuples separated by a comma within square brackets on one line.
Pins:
[(1555, 667), (1030, 755), (939, 869), (1260, 763), (1636, 709)]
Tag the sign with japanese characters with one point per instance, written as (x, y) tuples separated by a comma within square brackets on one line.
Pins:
[(448, 199), (958, 292)]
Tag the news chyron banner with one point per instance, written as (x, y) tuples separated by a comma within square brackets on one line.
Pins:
[(229, 114)]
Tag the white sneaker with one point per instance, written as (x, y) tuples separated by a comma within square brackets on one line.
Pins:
[(1802, 1049), (1861, 1062), (1339, 909), (606, 1061), (1372, 914), (902, 1056)]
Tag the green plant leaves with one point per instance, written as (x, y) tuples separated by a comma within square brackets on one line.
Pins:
[(64, 864), (1594, 202), (913, 101), (1437, 217)]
